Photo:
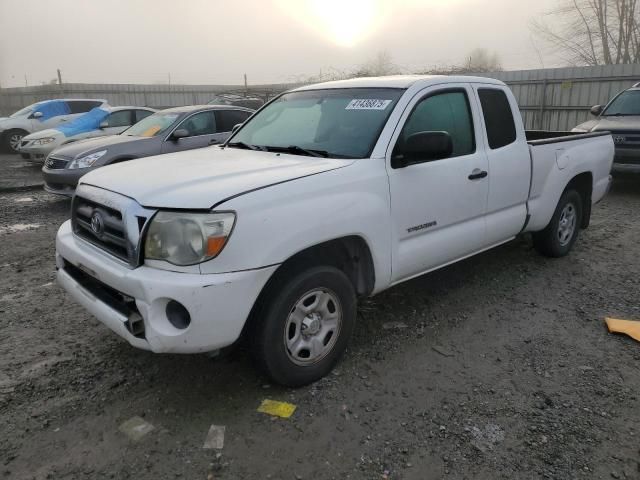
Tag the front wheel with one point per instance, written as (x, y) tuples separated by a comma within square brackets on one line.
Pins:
[(557, 239), (304, 326), (11, 140)]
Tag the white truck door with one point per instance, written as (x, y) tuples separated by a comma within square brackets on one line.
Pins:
[(509, 162), (438, 206)]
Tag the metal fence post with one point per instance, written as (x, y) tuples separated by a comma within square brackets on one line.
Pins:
[(543, 102)]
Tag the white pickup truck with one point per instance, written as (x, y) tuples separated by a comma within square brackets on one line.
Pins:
[(328, 193)]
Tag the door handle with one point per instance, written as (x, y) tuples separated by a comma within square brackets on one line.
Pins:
[(477, 174)]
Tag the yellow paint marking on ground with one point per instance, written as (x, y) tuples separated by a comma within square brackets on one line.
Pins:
[(277, 409), (628, 327)]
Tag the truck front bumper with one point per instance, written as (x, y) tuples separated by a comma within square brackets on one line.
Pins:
[(626, 160), (122, 298)]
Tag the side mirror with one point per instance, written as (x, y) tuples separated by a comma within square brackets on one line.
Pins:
[(36, 115), (423, 147), (235, 128), (597, 110), (179, 133), (104, 124)]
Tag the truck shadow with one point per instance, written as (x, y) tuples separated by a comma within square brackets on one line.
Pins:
[(626, 184)]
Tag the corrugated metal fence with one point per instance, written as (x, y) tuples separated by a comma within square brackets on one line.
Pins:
[(156, 96), (550, 99), (560, 98)]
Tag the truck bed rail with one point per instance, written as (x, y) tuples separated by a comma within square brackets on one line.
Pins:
[(544, 137)]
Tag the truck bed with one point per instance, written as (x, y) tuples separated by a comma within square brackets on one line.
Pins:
[(558, 157)]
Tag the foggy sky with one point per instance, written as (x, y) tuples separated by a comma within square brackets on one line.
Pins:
[(217, 41)]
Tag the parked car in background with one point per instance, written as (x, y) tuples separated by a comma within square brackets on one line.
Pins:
[(237, 101), (42, 115), (330, 193), (621, 117), (98, 122), (171, 130)]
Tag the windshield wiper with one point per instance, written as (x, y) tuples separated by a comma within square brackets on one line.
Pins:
[(297, 150), (621, 115), (246, 146)]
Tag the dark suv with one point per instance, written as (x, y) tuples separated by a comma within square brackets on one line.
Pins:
[(621, 117)]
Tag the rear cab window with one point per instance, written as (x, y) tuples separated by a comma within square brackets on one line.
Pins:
[(498, 117)]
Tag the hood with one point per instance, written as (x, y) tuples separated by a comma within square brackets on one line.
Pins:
[(90, 145), (199, 179), (612, 124), (49, 132)]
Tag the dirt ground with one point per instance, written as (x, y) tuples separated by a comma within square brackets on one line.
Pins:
[(18, 172), (499, 367)]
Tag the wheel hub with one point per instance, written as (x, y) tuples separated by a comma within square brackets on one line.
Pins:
[(567, 224), (311, 324)]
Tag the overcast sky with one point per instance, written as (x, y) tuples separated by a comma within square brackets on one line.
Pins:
[(217, 41)]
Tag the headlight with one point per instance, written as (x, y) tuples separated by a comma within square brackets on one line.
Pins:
[(43, 141), (87, 160), (187, 238)]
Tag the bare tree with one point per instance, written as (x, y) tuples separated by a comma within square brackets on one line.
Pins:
[(593, 32), (479, 60), (379, 66)]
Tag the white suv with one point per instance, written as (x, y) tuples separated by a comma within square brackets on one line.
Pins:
[(42, 115)]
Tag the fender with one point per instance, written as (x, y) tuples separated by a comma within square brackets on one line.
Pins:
[(274, 223)]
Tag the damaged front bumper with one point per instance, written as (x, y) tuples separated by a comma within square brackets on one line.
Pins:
[(133, 303)]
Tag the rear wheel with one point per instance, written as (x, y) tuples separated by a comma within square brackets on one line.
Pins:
[(304, 325), (11, 140), (557, 239)]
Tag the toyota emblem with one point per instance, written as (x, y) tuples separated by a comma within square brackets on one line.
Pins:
[(618, 139), (97, 223)]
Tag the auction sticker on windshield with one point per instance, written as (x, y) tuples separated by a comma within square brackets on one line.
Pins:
[(367, 104)]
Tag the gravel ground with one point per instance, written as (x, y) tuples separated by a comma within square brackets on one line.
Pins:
[(499, 367), (17, 172)]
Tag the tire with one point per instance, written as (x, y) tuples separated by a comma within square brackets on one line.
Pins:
[(11, 140), (320, 301), (557, 239)]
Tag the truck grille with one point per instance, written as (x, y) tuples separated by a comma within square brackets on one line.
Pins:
[(626, 139), (110, 221), (101, 225), (54, 163)]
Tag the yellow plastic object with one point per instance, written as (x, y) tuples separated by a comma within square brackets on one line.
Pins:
[(277, 409), (151, 131), (628, 327)]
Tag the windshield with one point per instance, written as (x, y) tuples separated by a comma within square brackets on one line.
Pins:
[(153, 125), (627, 103), (340, 123), (24, 111)]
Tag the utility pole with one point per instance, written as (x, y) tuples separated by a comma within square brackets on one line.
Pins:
[(59, 77), (26, 84), (246, 90)]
